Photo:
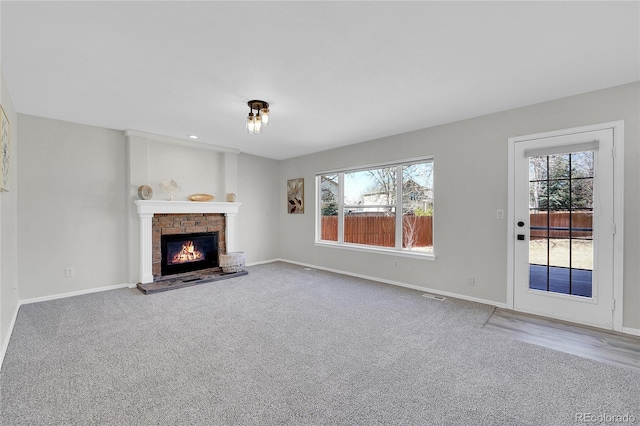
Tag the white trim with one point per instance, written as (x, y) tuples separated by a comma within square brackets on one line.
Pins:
[(376, 249), (511, 221), (618, 217), (171, 207), (75, 293), (400, 203), (5, 344), (569, 131), (263, 262), (340, 210), (632, 331), (399, 162), (618, 209), (189, 143), (399, 284), (316, 213), (563, 149)]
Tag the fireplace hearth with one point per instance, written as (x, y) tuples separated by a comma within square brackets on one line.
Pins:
[(188, 252), (186, 280)]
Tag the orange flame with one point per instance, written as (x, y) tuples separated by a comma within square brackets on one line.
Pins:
[(187, 254)]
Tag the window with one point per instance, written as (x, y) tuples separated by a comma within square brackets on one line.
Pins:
[(387, 207)]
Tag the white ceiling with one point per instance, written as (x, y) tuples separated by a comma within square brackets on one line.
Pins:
[(335, 73)]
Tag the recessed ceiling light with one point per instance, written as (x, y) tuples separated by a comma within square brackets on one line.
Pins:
[(193, 137)]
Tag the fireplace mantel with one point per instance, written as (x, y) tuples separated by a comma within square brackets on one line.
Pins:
[(168, 207), (146, 210)]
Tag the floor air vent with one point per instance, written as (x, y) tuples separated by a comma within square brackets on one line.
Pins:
[(433, 296)]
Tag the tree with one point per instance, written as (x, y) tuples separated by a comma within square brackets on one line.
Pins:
[(416, 186), (329, 196), (561, 182), (329, 205), (384, 184), (419, 211)]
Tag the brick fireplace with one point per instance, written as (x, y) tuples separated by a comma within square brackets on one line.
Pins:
[(184, 224), (159, 218)]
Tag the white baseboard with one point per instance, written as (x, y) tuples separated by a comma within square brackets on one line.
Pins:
[(5, 344), (262, 262), (401, 284), (633, 331), (74, 293)]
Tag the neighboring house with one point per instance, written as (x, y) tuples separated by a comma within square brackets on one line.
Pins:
[(415, 197)]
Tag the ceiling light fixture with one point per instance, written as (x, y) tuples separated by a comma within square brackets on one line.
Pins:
[(261, 118)]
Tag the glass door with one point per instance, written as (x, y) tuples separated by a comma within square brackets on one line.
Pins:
[(563, 216)]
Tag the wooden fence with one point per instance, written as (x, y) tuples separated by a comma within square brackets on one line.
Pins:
[(418, 230), (380, 230), (561, 225)]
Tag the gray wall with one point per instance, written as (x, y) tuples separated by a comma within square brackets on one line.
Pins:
[(196, 171), (258, 220), (470, 185), (8, 230), (71, 208)]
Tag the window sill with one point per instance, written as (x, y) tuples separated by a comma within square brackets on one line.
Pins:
[(378, 250)]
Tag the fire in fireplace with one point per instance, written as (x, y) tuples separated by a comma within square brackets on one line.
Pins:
[(188, 252)]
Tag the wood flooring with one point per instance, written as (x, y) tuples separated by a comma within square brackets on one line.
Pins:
[(588, 342)]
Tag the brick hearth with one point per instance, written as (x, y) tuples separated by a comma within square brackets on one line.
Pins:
[(165, 224)]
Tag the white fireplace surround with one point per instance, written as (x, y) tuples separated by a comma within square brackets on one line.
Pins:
[(146, 210)]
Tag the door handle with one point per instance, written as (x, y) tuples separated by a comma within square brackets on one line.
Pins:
[(521, 237), (521, 224)]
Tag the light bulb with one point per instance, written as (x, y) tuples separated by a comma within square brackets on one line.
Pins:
[(265, 116), (258, 124), (251, 125)]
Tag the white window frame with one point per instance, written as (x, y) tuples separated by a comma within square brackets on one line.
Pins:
[(340, 244)]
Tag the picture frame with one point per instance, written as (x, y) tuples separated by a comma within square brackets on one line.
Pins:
[(295, 196), (5, 150)]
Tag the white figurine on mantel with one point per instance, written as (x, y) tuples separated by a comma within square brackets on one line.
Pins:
[(170, 187)]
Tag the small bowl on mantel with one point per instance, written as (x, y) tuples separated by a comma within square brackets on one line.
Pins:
[(201, 197)]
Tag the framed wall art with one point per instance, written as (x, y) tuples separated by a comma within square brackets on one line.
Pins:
[(295, 195), (5, 146)]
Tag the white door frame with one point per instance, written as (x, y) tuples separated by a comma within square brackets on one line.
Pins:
[(618, 211)]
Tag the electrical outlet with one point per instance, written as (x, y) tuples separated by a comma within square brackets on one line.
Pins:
[(69, 271), (500, 214), (471, 281), (395, 263)]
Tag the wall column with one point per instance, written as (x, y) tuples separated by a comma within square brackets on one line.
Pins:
[(146, 260), (230, 231)]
